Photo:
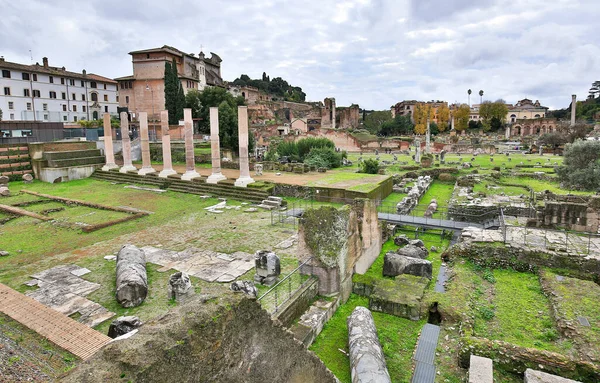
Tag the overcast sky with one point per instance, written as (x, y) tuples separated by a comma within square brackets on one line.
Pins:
[(370, 52)]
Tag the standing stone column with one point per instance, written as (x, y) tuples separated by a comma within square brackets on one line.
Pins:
[(245, 178), (215, 148), (145, 142), (109, 153), (190, 166), (166, 146), (427, 138), (507, 132), (126, 143), (452, 127), (418, 151), (573, 109)]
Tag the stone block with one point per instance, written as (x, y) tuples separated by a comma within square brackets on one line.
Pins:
[(413, 251), (481, 370), (400, 297), (267, 267), (395, 264)]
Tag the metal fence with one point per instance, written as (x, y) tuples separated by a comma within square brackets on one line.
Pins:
[(282, 292)]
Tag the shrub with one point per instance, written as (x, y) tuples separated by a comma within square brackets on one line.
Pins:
[(324, 157), (581, 166), (446, 177), (369, 166)]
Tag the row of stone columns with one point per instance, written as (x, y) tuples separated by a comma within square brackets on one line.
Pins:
[(190, 173)]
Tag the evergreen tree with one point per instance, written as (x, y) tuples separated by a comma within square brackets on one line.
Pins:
[(171, 93)]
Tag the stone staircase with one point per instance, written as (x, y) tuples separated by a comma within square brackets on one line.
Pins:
[(271, 203), (74, 158), (224, 189)]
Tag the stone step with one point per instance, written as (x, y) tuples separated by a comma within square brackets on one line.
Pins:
[(273, 198), (267, 207), (275, 204), (80, 161), (72, 154)]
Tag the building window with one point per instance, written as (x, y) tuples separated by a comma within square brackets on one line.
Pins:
[(36, 93), (52, 94), (127, 99), (6, 91), (94, 96), (104, 86), (130, 84), (83, 108), (45, 107), (74, 118), (74, 108), (34, 76), (106, 98), (12, 116), (62, 80), (82, 97), (28, 106), (51, 80), (11, 105), (105, 108), (64, 118), (64, 107), (71, 82), (73, 96), (46, 117), (64, 96), (93, 84), (5, 73), (82, 84), (117, 98), (25, 76), (26, 93)]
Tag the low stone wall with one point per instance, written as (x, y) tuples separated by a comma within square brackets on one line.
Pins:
[(298, 303), (327, 194), (512, 358), (524, 260)]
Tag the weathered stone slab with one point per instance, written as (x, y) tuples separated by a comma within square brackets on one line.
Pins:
[(395, 264), (400, 297), (534, 376), (481, 370)]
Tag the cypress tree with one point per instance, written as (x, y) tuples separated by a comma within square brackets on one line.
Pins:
[(171, 93)]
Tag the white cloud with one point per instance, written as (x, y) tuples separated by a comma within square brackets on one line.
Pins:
[(373, 53)]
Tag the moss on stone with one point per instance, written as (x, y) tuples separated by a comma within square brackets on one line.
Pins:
[(325, 232)]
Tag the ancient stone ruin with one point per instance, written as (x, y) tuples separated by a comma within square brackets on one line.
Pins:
[(123, 325), (4, 191), (132, 282), (367, 362), (180, 286), (267, 267), (414, 195)]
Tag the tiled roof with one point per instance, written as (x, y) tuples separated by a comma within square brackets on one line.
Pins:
[(54, 71)]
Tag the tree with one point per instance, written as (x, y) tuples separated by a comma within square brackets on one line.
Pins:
[(227, 104), (493, 110), (443, 118), (369, 166), (581, 165), (0, 114), (192, 101), (481, 96), (172, 100), (461, 117), (422, 113), (374, 120), (88, 123), (398, 126), (469, 93), (434, 128)]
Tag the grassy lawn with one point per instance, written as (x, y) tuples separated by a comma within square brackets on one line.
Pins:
[(572, 298), (489, 187), (541, 185), (441, 191), (398, 338), (510, 306)]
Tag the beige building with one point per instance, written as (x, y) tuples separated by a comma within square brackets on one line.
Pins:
[(144, 91), (525, 109)]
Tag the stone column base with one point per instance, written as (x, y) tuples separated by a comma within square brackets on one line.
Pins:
[(165, 173), (243, 181), (144, 171), (127, 168), (189, 175), (215, 178), (108, 167)]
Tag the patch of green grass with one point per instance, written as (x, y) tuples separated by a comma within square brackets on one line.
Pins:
[(542, 185), (398, 337), (393, 199), (521, 312), (442, 192)]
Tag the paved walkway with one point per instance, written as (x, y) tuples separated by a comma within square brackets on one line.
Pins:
[(61, 330), (434, 223), (425, 355)]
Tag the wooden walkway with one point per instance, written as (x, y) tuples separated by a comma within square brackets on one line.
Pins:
[(58, 328)]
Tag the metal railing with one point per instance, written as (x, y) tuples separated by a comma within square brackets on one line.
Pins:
[(567, 241), (282, 292)]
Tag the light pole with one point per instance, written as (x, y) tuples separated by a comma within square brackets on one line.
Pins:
[(153, 120)]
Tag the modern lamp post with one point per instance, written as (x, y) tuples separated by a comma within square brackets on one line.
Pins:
[(148, 87)]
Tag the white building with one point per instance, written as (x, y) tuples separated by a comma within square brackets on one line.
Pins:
[(44, 93)]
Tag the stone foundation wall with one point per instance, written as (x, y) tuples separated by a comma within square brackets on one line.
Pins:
[(230, 339), (298, 304), (510, 357)]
